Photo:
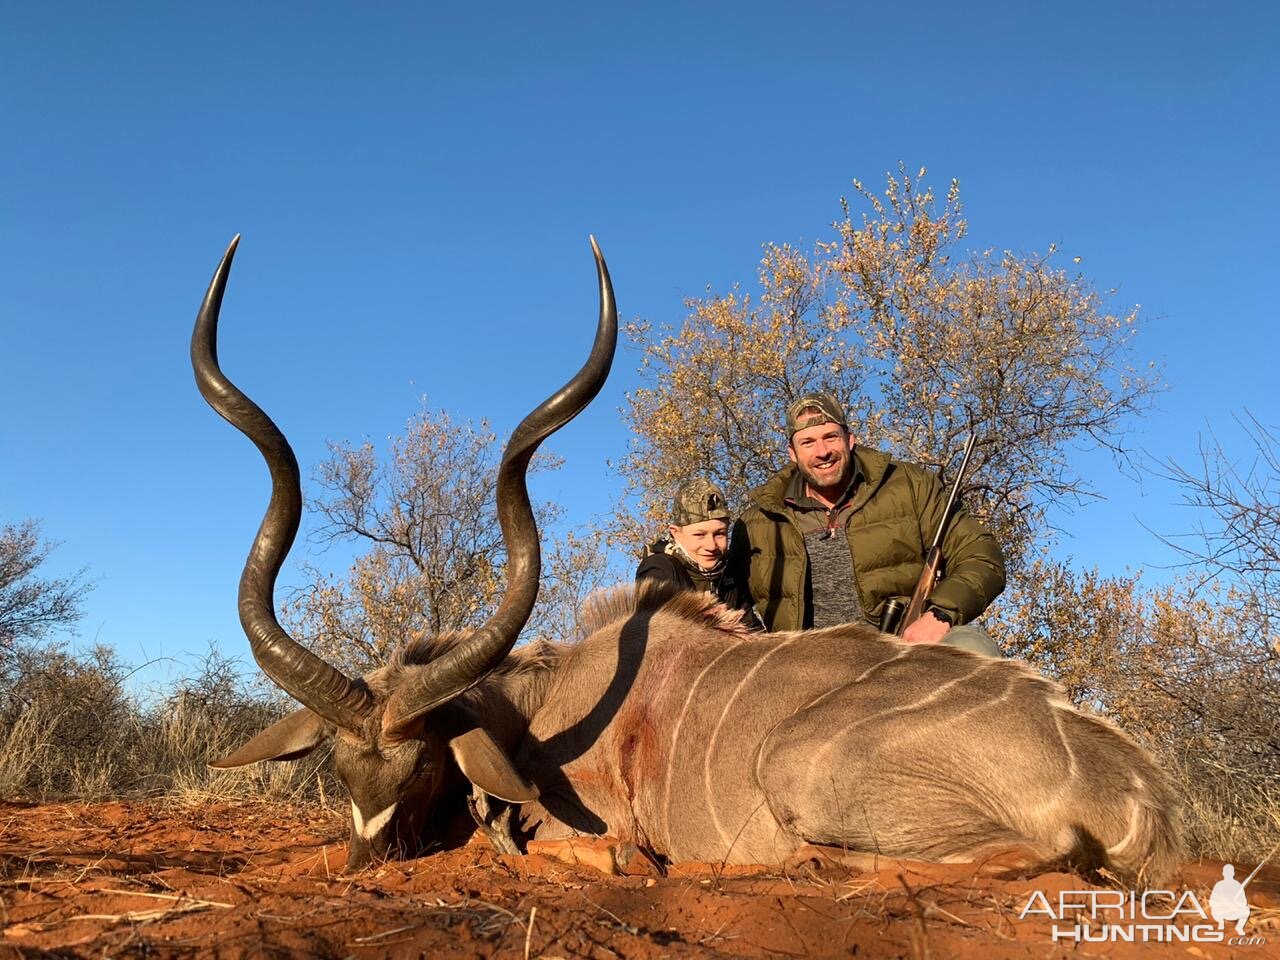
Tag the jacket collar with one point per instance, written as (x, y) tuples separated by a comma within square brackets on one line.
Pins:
[(797, 494)]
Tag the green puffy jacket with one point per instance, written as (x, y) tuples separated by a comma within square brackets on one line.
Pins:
[(893, 517)]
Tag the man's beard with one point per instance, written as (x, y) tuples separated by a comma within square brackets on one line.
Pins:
[(815, 482)]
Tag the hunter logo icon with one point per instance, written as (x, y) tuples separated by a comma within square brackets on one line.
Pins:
[(1228, 901)]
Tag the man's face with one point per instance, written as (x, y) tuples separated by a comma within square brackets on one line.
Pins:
[(822, 455), (705, 541)]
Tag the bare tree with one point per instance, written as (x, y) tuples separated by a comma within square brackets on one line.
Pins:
[(434, 556), (1238, 502), (31, 606)]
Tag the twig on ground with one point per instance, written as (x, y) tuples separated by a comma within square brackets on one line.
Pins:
[(146, 916), (854, 891), (375, 937), (716, 936), (920, 948), (932, 908), (177, 898), (616, 919), (92, 866)]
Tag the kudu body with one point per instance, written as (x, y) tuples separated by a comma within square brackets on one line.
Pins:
[(671, 728), (669, 725)]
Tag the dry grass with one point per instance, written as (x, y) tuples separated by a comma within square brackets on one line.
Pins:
[(186, 734), (72, 732), (24, 750), (1229, 814)]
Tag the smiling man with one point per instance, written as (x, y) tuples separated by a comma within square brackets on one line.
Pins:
[(843, 529)]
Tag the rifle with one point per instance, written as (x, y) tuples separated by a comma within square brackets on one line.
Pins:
[(933, 559)]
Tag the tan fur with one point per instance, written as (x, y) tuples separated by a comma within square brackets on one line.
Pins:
[(667, 725), (670, 726)]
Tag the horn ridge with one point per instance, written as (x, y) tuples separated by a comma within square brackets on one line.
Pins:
[(468, 663), (311, 680)]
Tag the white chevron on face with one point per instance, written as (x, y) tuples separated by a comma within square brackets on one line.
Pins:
[(374, 826)]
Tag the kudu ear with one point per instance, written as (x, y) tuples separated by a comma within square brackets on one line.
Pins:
[(487, 766), (295, 736)]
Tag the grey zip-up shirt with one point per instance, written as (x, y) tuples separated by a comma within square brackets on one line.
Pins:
[(831, 571)]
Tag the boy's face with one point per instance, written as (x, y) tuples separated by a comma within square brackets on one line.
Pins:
[(705, 541)]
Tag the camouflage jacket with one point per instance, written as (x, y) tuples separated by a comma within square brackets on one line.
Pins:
[(663, 560)]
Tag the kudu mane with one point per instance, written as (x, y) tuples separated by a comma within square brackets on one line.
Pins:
[(538, 659), (425, 649), (650, 598)]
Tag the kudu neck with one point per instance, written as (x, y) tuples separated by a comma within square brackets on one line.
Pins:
[(506, 700)]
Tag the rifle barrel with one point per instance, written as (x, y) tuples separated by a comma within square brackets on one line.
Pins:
[(955, 487)]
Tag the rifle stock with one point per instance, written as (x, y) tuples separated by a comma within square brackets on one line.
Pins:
[(924, 587)]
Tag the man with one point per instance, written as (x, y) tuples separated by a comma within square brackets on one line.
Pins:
[(832, 537)]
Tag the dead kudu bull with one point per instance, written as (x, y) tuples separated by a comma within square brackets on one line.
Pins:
[(669, 726)]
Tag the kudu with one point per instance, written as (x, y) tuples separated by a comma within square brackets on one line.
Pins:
[(670, 726)]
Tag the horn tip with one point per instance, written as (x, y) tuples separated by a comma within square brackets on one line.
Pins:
[(231, 249), (595, 247)]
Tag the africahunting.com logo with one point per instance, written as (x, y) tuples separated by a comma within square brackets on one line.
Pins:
[(1149, 916)]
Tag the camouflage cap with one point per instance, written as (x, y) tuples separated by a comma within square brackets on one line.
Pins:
[(696, 501), (813, 409)]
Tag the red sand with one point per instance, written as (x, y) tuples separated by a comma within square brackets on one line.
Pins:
[(237, 880)]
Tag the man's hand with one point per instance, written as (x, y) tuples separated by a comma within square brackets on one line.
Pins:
[(928, 629)]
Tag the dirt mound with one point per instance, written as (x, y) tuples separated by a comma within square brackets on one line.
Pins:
[(236, 880)]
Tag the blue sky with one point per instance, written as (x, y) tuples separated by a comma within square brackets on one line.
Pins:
[(415, 185)]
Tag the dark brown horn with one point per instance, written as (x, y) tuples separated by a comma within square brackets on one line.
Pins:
[(468, 663), (313, 682)]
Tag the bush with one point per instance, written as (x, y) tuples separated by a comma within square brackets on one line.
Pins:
[(69, 719), (73, 731)]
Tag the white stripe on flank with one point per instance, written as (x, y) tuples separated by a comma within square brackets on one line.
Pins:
[(715, 734), (1072, 768), (838, 685), (376, 823), (675, 735), (821, 753), (1135, 809)]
